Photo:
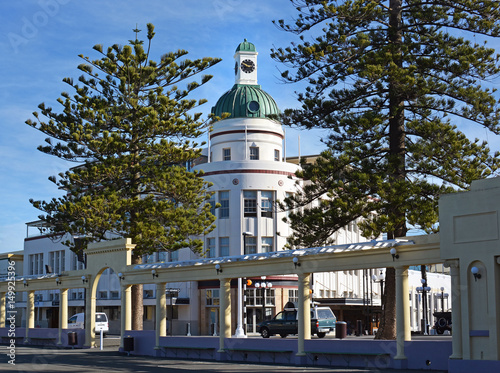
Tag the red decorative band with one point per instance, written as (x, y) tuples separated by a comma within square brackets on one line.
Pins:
[(250, 171), (248, 131)]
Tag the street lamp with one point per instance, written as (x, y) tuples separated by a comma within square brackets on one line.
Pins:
[(443, 296), (263, 285), (240, 333), (424, 289), (379, 279)]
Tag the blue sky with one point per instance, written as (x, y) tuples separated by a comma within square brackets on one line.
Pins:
[(41, 41)]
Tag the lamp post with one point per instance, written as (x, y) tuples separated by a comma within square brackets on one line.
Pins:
[(263, 286), (171, 292), (424, 289), (442, 299), (380, 280), (240, 333)]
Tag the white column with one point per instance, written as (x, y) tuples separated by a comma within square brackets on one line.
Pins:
[(456, 306), (89, 317), (63, 313), (225, 312), (304, 313), (126, 311), (30, 314), (403, 330), (3, 310), (161, 313), (240, 333)]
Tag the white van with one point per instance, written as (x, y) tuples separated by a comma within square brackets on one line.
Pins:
[(101, 322)]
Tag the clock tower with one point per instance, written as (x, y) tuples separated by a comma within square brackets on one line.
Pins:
[(245, 67)]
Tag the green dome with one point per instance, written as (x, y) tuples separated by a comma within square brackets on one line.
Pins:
[(246, 101), (246, 46)]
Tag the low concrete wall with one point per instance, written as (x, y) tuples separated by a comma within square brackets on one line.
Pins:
[(42, 337), (353, 353)]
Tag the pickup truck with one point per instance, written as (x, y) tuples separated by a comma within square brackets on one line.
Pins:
[(323, 321)]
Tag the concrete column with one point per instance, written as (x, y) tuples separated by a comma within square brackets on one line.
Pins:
[(304, 313), (456, 306), (224, 312), (2, 309), (89, 317), (161, 313), (30, 313), (63, 313), (126, 311), (403, 329)]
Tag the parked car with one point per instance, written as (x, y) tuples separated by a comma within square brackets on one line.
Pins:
[(443, 322), (77, 321), (323, 321)]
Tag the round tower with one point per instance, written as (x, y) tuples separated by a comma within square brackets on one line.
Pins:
[(246, 166)]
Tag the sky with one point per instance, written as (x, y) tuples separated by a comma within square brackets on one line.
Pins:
[(41, 40)]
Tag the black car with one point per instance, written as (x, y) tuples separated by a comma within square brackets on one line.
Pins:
[(284, 323)]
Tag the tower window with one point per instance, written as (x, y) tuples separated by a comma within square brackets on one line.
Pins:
[(267, 244), (266, 199), (210, 252), (224, 205), (211, 202), (226, 154), (251, 245), (224, 246), (254, 152), (276, 155), (250, 203)]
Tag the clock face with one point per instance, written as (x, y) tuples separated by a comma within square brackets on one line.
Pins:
[(247, 66)]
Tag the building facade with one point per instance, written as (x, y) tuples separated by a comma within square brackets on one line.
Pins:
[(249, 173)]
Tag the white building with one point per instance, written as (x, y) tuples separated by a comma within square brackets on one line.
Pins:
[(246, 164)]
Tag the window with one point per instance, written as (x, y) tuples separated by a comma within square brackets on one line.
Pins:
[(76, 264), (276, 155), (57, 261), (162, 257), (224, 205), (224, 246), (266, 198), (250, 297), (254, 152), (148, 294), (250, 203), (212, 297), (270, 298), (36, 264), (103, 295), (114, 294), (226, 154), (174, 256), (293, 296), (210, 252), (211, 201), (267, 244), (251, 245)]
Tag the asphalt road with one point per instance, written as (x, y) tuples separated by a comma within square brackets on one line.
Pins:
[(32, 359)]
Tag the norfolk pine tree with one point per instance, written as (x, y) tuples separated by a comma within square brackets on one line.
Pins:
[(130, 130), (390, 80)]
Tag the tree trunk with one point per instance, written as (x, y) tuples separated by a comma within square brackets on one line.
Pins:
[(396, 163), (387, 327), (137, 300)]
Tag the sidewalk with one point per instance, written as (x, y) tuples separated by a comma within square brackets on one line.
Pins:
[(32, 359)]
